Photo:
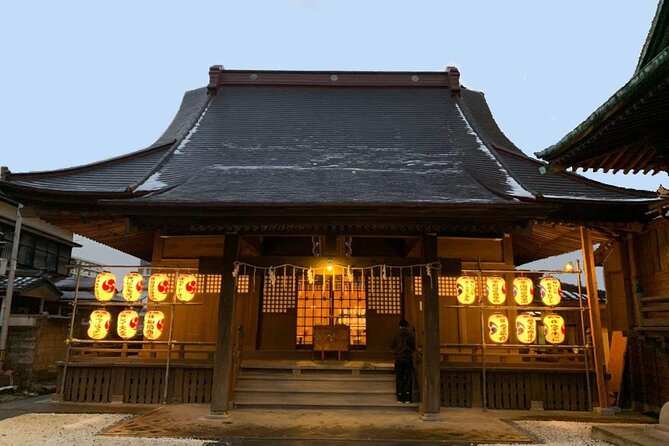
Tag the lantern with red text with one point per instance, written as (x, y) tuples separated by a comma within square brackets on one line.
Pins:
[(159, 285), (554, 329), (526, 328), (105, 286), (186, 286), (154, 321), (98, 324), (127, 324), (132, 286), (495, 290), (523, 290), (498, 326), (466, 290), (551, 291)]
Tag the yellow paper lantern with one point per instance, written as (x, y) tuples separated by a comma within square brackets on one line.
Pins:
[(105, 286), (186, 286), (127, 324), (132, 286), (495, 290), (466, 290), (159, 285), (498, 326), (551, 291), (554, 329), (523, 290), (98, 324), (526, 328), (154, 321)]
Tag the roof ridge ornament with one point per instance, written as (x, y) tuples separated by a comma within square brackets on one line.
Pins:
[(215, 79), (453, 79)]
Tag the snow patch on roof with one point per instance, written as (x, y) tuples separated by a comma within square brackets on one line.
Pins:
[(186, 140), (516, 190), (152, 183)]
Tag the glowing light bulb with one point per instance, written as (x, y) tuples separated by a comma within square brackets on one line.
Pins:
[(569, 267), (329, 267)]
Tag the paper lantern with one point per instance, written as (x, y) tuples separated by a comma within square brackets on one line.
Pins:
[(498, 324), (495, 290), (554, 328), (105, 286), (186, 286), (159, 285), (154, 321), (526, 328), (523, 290), (466, 290), (132, 286), (98, 324), (127, 324), (551, 291)]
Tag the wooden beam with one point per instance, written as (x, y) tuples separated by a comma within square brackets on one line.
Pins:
[(595, 315), (430, 394), (319, 262), (221, 393)]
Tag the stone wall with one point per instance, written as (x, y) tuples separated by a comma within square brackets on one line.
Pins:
[(33, 349)]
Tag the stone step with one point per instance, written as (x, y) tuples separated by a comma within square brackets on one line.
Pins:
[(315, 387), (305, 377), (319, 401)]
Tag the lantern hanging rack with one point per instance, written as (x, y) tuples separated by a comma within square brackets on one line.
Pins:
[(132, 304), (516, 307), (507, 346)]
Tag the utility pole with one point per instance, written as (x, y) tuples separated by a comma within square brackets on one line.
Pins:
[(7, 301)]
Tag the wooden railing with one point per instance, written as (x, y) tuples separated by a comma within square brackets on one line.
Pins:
[(514, 356), (82, 350)]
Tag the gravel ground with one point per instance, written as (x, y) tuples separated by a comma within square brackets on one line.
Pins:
[(559, 433), (48, 429)]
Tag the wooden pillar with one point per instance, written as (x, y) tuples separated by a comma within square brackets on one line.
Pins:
[(430, 387), (222, 375), (595, 315)]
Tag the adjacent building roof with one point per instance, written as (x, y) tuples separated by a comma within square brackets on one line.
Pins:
[(31, 284), (629, 131), (342, 138)]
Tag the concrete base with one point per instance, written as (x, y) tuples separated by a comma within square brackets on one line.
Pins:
[(630, 435), (606, 411), (536, 405), (430, 417), (223, 417)]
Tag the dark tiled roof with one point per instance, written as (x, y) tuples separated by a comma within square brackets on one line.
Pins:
[(565, 185), (117, 174), (314, 144), (25, 281), (325, 145)]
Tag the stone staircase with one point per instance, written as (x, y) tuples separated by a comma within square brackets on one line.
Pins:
[(317, 385)]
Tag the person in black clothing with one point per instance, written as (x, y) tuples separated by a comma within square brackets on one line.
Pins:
[(404, 346)]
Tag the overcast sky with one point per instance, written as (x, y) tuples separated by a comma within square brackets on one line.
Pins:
[(83, 81)]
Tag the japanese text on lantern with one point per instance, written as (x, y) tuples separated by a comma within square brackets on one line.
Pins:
[(132, 286), (498, 326), (554, 329), (186, 286), (105, 286), (127, 324), (523, 290), (551, 291), (466, 290), (495, 290), (98, 324), (526, 328), (154, 321), (159, 286)]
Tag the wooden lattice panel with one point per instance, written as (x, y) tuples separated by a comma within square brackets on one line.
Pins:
[(447, 286), (384, 295), (243, 284), (280, 296)]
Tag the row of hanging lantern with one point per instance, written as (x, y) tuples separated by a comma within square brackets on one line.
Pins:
[(127, 324), (523, 290), (133, 286), (526, 328)]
